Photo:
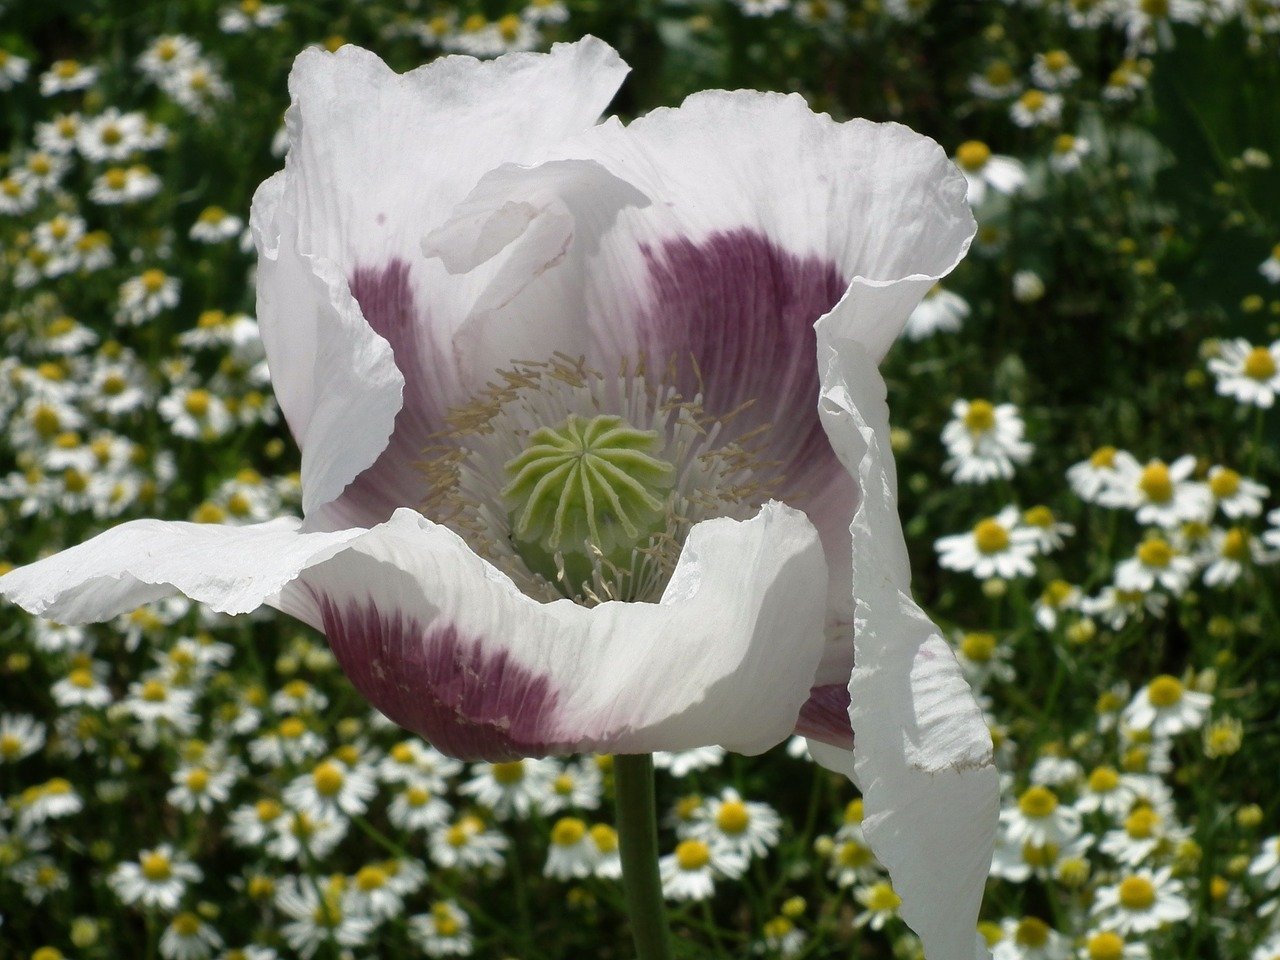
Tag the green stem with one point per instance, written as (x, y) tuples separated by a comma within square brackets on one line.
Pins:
[(638, 848)]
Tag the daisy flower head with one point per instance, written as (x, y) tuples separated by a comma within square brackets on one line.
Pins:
[(512, 788), (1247, 373), (1166, 707), (1266, 865), (215, 225), (467, 843), (1067, 152), (746, 827), (985, 441), (941, 310), (1039, 817), (188, 937), (1236, 496), (443, 932), (571, 852), (1160, 494), (1054, 69), (1270, 267), (67, 76), (1091, 479), (320, 915), (1230, 553), (690, 873), (997, 546), (1142, 833), (1030, 939), (997, 81), (985, 171), (1036, 108), (701, 611), (1156, 562), (880, 903), (681, 763), (158, 878), (332, 789), (1141, 901), (984, 658), (1108, 945), (20, 736)]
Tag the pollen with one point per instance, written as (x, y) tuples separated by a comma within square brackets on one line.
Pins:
[(1165, 691), (1156, 483), (1259, 364), (990, 536), (973, 155), (692, 854), (1037, 803), (1137, 893)]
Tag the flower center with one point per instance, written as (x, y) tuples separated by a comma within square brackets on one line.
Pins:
[(1259, 364), (1032, 932), (327, 779), (155, 867), (973, 155), (1164, 691), (604, 837), (1037, 803), (733, 817), (1235, 545), (508, 773), (692, 854), (1137, 893), (1156, 483), (991, 536), (882, 898), (980, 417), (586, 489), (1224, 483), (568, 832), (369, 879), (1104, 780), (581, 485), (1105, 946), (978, 647), (1142, 823), (1155, 553)]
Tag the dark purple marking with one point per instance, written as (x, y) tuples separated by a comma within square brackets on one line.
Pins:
[(393, 480), (470, 703), (825, 716), (740, 310)]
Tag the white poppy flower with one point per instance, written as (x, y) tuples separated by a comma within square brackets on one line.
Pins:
[(729, 273)]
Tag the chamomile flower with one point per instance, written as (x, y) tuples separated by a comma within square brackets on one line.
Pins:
[(576, 785), (195, 413), (467, 843), (13, 69), (160, 708), (372, 892), (188, 937), (985, 171), (1109, 945), (1116, 606), (444, 932), (851, 861), (1166, 708), (1230, 553), (749, 828), (1266, 865), (1047, 531), (299, 835), (1249, 374), (880, 903), (414, 762), (690, 873), (1091, 479), (1019, 862), (291, 742), (252, 824), (415, 807), (51, 800), (1054, 70), (215, 225), (20, 736), (250, 15), (996, 547), (1068, 152), (320, 917), (983, 658), (997, 81), (146, 296), (67, 76), (1156, 562), (608, 860), (1236, 496), (158, 878), (1030, 939), (510, 789), (1057, 598), (1160, 494), (1108, 790), (941, 310), (985, 441), (203, 786), (1270, 267), (1143, 832), (1141, 901), (571, 852), (84, 686), (1036, 108), (1040, 818), (681, 763), (332, 789)]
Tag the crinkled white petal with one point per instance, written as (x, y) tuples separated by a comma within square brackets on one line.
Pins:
[(923, 754), (232, 569)]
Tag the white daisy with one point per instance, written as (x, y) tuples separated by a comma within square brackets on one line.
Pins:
[(941, 310), (984, 441), (1247, 373), (158, 878), (332, 789), (571, 852), (996, 547), (1142, 901), (1166, 707), (1160, 494), (513, 788), (1155, 561), (745, 827), (690, 873), (984, 170)]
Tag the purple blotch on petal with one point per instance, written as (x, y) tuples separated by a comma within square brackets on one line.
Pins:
[(739, 310), (469, 702), (393, 480), (825, 716)]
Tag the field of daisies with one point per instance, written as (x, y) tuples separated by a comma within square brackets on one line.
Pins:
[(1086, 445)]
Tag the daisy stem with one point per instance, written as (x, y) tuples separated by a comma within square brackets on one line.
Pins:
[(638, 848)]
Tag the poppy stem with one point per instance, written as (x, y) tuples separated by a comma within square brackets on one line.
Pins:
[(638, 848)]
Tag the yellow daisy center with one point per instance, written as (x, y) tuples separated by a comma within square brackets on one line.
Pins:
[(156, 866), (733, 817), (1224, 483), (1137, 893), (1259, 364), (1165, 691), (568, 832), (980, 417), (1105, 946), (973, 155), (1032, 932), (328, 779), (1156, 483), (692, 854), (991, 536), (1155, 553), (1037, 803)]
